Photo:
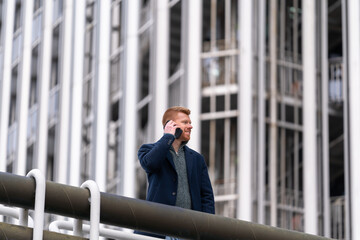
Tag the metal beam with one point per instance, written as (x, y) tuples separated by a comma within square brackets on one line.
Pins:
[(15, 232), (310, 176), (138, 214)]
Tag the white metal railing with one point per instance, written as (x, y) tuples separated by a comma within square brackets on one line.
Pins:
[(338, 217), (14, 213), (93, 230), (122, 212)]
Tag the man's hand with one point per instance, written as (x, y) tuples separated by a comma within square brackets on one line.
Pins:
[(170, 127)]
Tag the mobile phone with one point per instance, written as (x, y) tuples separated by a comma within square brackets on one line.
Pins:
[(178, 131)]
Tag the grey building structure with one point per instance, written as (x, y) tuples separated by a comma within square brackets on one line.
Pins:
[(273, 86)]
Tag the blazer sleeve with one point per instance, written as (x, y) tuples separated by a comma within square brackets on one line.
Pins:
[(152, 156), (207, 195)]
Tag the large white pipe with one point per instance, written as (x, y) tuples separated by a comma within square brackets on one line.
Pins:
[(193, 67), (161, 64), (244, 208), (261, 112), (65, 76), (273, 112), (309, 118), (325, 116), (130, 113), (77, 93), (102, 93), (24, 84), (5, 80), (354, 113), (44, 87)]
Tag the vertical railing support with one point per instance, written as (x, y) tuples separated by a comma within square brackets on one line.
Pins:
[(94, 211), (39, 209)]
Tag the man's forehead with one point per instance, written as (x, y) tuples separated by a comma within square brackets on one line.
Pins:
[(181, 116)]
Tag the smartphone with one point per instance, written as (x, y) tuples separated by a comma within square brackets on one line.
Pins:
[(178, 131)]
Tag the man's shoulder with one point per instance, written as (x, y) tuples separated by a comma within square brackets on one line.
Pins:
[(146, 146), (192, 151)]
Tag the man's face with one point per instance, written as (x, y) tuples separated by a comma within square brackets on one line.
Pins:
[(183, 121)]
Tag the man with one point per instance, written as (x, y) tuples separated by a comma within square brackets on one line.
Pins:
[(177, 175)]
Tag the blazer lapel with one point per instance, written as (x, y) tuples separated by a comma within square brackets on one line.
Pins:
[(170, 159), (189, 162)]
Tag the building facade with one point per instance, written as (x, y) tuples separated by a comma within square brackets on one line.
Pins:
[(272, 86)]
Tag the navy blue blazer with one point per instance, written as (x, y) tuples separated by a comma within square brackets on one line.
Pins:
[(156, 160)]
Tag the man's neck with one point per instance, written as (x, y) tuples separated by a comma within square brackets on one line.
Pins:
[(176, 145)]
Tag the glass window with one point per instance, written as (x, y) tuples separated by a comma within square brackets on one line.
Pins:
[(29, 158), (175, 93), (37, 27), (55, 62), (13, 96), (145, 14), (37, 4), (51, 153), (206, 25), (144, 68), (57, 9), (220, 25), (33, 96), (116, 25), (115, 75), (175, 38), (18, 15)]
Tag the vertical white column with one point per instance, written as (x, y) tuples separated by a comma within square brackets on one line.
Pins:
[(261, 112), (76, 92), (161, 63), (131, 80), (309, 118), (346, 115), (102, 92), (244, 208), (193, 66), (24, 83), (325, 116), (354, 113), (273, 112), (42, 134), (5, 79), (62, 165)]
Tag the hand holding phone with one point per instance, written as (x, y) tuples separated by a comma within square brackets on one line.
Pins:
[(178, 131)]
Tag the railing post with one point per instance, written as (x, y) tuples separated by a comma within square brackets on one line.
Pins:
[(39, 209), (94, 211)]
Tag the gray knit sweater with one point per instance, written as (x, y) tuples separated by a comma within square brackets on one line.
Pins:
[(183, 198)]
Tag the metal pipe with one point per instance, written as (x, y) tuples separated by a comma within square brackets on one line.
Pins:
[(353, 10), (261, 112), (245, 119), (104, 232), (138, 214), (15, 232), (310, 174), (346, 117), (273, 136), (325, 117)]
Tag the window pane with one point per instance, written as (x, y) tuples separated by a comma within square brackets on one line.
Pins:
[(175, 38)]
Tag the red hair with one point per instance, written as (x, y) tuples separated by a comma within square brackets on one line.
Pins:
[(170, 113)]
